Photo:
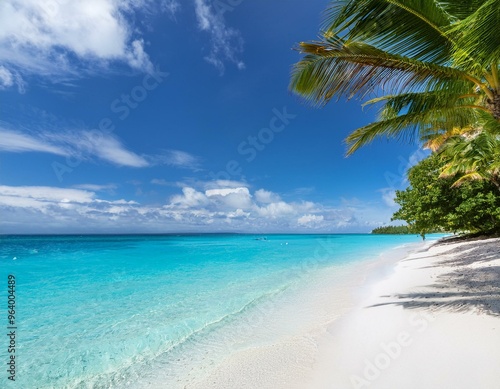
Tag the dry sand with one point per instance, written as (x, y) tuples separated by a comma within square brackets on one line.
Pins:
[(433, 324)]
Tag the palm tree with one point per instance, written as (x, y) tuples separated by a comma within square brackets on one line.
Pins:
[(434, 65), (468, 153)]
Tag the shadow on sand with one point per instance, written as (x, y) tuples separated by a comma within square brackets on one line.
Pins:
[(465, 288)]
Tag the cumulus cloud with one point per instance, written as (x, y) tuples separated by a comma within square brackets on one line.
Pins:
[(230, 198), (61, 39), (310, 219), (216, 184), (223, 208), (226, 43), (264, 196), (190, 198)]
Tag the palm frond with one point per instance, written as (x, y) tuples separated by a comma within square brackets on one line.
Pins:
[(437, 139), (471, 156), (414, 28), (460, 9), (410, 126), (348, 68), (478, 34), (466, 178), (414, 102), (438, 59)]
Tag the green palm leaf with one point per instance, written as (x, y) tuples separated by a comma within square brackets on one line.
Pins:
[(414, 28), (478, 32), (438, 61), (411, 126), (347, 68)]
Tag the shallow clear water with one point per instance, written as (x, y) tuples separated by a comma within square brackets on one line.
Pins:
[(113, 311)]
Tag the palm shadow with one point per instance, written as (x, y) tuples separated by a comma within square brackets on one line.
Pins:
[(468, 287)]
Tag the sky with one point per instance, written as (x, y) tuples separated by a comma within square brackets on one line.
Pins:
[(149, 116)]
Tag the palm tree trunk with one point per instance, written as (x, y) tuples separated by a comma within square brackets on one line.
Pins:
[(494, 106)]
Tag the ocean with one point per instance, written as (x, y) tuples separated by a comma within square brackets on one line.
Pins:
[(144, 311)]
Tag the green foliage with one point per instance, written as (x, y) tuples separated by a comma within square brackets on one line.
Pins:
[(393, 230), (432, 203), (435, 62), (472, 157)]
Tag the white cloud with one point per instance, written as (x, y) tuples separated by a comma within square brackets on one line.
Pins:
[(6, 78), (388, 195), (78, 144), (17, 142), (85, 145), (46, 194), (227, 192), (204, 14), (171, 7), (64, 38), (226, 42), (264, 196), (190, 198), (276, 210), (80, 209), (310, 219), (230, 198), (97, 188), (178, 158), (9, 78), (110, 149), (216, 184)]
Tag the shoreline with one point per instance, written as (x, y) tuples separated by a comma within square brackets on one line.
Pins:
[(422, 316), (289, 358)]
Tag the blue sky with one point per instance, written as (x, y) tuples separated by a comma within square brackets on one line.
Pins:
[(175, 116)]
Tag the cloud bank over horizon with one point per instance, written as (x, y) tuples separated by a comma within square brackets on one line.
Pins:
[(220, 207)]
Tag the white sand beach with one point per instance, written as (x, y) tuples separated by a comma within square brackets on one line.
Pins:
[(434, 323), (428, 321)]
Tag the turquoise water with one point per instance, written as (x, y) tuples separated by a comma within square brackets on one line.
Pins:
[(113, 311)]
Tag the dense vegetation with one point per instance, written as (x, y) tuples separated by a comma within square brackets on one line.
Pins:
[(433, 203), (393, 230)]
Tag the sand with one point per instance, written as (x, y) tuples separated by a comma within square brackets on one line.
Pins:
[(433, 324), (428, 321)]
